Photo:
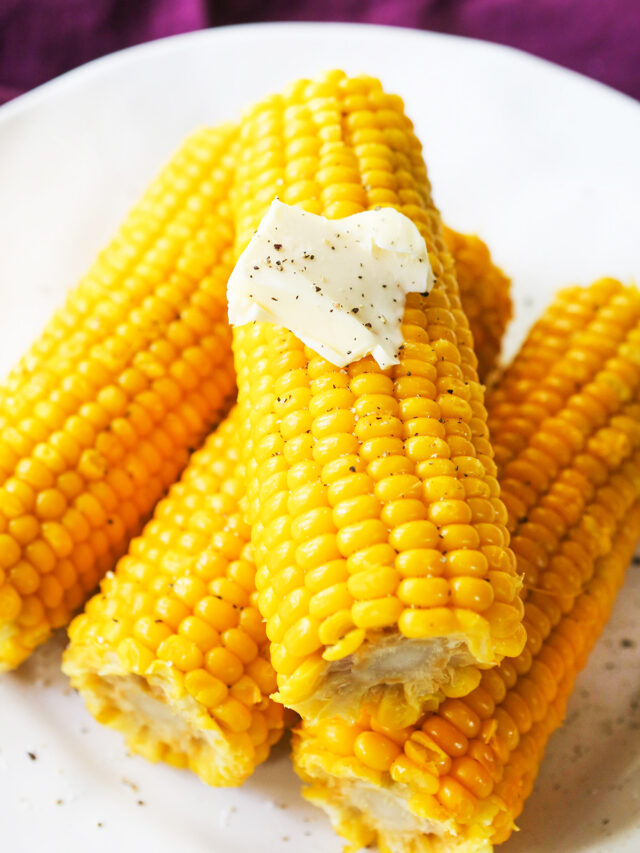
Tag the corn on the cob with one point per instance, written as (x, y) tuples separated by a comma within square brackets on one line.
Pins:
[(375, 512), (122, 645), (485, 297), (98, 418), (458, 780), (172, 652)]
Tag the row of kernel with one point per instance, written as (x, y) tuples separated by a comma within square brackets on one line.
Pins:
[(521, 413), (75, 345)]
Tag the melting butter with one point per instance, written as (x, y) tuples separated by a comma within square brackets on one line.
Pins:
[(339, 285)]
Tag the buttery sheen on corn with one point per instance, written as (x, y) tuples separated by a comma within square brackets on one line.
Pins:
[(566, 428), (97, 420), (172, 651), (484, 294), (383, 566)]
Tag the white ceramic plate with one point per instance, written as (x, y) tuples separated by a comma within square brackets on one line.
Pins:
[(541, 162)]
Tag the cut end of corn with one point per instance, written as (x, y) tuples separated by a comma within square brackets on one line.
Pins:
[(172, 651), (162, 722), (395, 677)]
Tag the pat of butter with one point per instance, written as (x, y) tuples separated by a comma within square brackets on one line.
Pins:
[(339, 285)]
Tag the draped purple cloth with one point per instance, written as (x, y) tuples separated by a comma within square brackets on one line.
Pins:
[(40, 39)]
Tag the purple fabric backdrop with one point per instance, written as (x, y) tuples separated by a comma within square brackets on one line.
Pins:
[(40, 39)]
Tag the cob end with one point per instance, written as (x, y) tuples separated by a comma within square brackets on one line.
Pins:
[(161, 721)]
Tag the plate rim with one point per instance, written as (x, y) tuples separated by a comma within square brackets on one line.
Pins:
[(139, 52)]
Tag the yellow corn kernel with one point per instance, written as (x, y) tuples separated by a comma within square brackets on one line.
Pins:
[(375, 750), (424, 592), (135, 657), (220, 614), (205, 688), (463, 681), (24, 578), (302, 638), (376, 613), (233, 715), (181, 653), (10, 602), (240, 644), (9, 551), (418, 624), (224, 665), (198, 632), (335, 627), (338, 737), (373, 583), (472, 593), (404, 772)]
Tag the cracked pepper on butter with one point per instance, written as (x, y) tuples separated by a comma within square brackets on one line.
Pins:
[(339, 285)]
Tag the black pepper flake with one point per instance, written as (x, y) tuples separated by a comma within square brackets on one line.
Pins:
[(277, 246), (256, 267), (352, 468), (626, 643), (317, 289), (354, 310), (367, 325), (274, 298), (32, 756), (141, 803), (449, 390)]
